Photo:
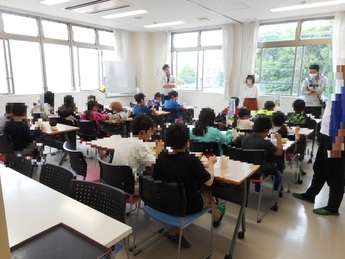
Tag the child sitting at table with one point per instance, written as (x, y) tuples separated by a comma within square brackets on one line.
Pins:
[(18, 131), (257, 140), (205, 131), (118, 114), (156, 102), (298, 118), (180, 166), (243, 121), (93, 114), (278, 121), (134, 152), (267, 110), (141, 107)]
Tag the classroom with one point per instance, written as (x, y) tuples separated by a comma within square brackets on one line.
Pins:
[(208, 59)]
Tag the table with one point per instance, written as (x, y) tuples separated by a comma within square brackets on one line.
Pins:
[(108, 143), (236, 174), (62, 129), (32, 207)]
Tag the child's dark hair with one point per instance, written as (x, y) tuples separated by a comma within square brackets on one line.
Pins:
[(177, 136), (278, 119), (69, 101), (93, 97), (138, 97), (172, 94), (158, 94), (141, 122), (262, 124), (18, 109), (269, 105), (243, 112), (90, 106), (206, 119), (298, 105), (49, 98)]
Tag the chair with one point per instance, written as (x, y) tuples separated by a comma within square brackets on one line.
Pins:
[(88, 131), (6, 147), (78, 164), (56, 177), (166, 203), (205, 147), (258, 157), (121, 177), (22, 164), (104, 198)]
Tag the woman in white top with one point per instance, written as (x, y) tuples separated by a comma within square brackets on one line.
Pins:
[(251, 93)]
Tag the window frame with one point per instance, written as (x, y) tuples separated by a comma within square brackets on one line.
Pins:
[(200, 51), (298, 42)]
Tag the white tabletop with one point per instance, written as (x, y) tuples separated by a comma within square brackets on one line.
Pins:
[(32, 207)]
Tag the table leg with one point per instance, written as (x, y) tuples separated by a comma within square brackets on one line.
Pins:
[(240, 220), (312, 147)]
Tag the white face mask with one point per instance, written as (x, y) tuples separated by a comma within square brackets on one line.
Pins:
[(312, 75)]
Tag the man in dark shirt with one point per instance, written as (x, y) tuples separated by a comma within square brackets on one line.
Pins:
[(180, 166)]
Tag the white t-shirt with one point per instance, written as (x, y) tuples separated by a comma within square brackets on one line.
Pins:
[(251, 92), (164, 81), (134, 153)]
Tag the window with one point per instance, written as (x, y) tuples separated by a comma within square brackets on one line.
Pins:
[(85, 35), (106, 38), (3, 82), (87, 68), (58, 68), (198, 60), (55, 30), (27, 68), (286, 50), (20, 25)]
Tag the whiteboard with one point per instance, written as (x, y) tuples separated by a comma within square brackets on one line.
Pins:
[(120, 78)]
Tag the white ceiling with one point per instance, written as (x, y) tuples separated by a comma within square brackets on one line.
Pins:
[(159, 11)]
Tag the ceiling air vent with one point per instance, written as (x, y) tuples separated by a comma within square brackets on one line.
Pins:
[(97, 6)]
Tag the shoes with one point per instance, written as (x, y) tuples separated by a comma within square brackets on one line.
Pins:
[(301, 197), (221, 208), (324, 212), (174, 238)]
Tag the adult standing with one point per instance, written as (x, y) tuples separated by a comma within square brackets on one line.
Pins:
[(312, 89), (251, 94), (168, 82), (329, 163)]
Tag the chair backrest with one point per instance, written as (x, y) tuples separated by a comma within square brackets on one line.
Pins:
[(77, 160), (119, 176), (168, 198), (22, 164), (205, 147), (87, 129), (6, 148), (56, 177), (102, 197), (256, 157), (232, 152)]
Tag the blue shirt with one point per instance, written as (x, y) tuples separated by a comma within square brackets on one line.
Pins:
[(138, 109), (172, 104)]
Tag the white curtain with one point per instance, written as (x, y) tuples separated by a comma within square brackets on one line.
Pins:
[(338, 46), (228, 51), (121, 44), (250, 31)]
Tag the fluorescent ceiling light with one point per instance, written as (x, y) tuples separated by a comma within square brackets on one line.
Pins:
[(163, 24), (306, 6), (118, 15), (53, 2)]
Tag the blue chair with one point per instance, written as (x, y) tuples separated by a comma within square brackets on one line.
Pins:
[(166, 203)]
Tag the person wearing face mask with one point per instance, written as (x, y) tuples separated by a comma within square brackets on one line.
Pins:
[(312, 89), (251, 93), (168, 82)]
